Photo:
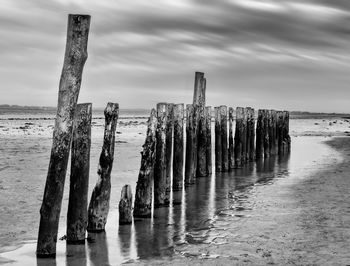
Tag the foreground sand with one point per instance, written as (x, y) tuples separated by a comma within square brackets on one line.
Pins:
[(292, 212), (308, 223)]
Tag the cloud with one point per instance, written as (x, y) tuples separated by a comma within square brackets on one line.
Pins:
[(151, 48)]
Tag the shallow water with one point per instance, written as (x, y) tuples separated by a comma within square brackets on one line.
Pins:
[(203, 214)]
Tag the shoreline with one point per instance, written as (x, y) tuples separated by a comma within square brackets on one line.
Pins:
[(312, 229), (228, 237)]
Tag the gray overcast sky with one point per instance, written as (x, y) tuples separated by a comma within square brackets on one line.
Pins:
[(282, 54)]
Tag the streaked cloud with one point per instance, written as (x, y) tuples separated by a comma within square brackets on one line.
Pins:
[(141, 52)]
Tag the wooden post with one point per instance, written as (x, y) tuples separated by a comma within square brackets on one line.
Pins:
[(238, 142), (208, 130), (224, 143), (169, 146), (252, 135), (178, 157), (231, 156), (244, 136), (125, 206), (69, 87), (99, 202), (218, 140), (79, 175), (200, 129), (160, 184), (143, 194), (248, 133), (273, 133), (279, 132), (191, 148), (285, 132), (260, 135), (266, 133)]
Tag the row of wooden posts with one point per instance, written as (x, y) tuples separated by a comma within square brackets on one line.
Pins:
[(162, 156), (165, 136)]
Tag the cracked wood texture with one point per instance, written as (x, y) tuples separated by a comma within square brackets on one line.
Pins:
[(160, 184), (99, 202), (178, 157), (208, 132), (199, 105), (169, 146), (218, 151), (79, 176), (69, 87), (143, 194), (231, 156), (224, 140)]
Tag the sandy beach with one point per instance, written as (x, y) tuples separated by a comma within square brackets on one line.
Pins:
[(287, 210)]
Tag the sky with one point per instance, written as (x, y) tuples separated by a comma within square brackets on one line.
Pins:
[(283, 54)]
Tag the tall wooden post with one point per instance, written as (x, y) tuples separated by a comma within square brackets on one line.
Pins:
[(199, 109), (143, 194), (224, 140), (260, 135), (191, 147), (252, 135), (267, 124), (77, 216), (160, 196), (178, 157), (288, 140), (231, 156), (218, 140), (69, 87), (125, 206), (169, 146), (208, 130), (238, 143), (99, 202)]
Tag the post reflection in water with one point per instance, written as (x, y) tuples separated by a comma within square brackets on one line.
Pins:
[(198, 210), (46, 262), (124, 236), (76, 255), (98, 248)]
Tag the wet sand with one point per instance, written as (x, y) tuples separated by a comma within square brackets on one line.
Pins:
[(292, 210), (306, 222)]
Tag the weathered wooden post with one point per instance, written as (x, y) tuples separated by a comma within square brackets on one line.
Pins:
[(224, 143), (125, 206), (79, 175), (288, 140), (99, 202), (244, 136), (218, 140), (178, 157), (279, 132), (199, 107), (251, 124), (238, 142), (169, 146), (267, 123), (208, 130), (69, 87), (143, 194), (191, 147), (273, 132), (160, 184), (260, 135), (248, 133), (231, 156)]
